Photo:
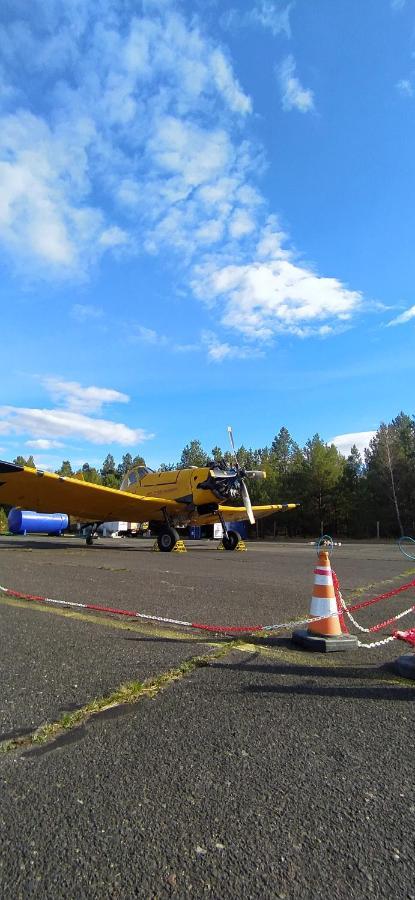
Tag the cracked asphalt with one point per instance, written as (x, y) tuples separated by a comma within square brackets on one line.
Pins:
[(261, 771)]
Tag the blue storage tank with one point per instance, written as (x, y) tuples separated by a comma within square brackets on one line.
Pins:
[(240, 527), (22, 521)]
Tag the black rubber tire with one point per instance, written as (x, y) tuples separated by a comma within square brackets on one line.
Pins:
[(89, 538), (231, 540), (167, 539)]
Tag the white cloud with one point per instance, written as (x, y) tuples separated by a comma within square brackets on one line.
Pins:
[(273, 15), (152, 337), (83, 312), (82, 399), (143, 121), (404, 317), (344, 442), (43, 444), (218, 351), (270, 14), (210, 232), (42, 186), (225, 82), (186, 151), (241, 224), (271, 241), (55, 424), (114, 237), (405, 87), (271, 294), (133, 101), (186, 348), (148, 336), (294, 96)]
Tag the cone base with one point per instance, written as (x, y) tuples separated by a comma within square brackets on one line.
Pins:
[(405, 665), (321, 644)]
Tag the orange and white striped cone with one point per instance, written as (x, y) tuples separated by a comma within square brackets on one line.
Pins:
[(325, 633)]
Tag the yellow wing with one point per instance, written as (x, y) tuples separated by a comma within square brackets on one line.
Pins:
[(238, 513), (46, 492)]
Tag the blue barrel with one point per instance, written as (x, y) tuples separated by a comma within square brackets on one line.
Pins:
[(22, 521), (195, 532)]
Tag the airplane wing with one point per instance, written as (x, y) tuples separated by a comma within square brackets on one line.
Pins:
[(238, 513), (46, 492)]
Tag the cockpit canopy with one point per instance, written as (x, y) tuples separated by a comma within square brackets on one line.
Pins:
[(134, 476)]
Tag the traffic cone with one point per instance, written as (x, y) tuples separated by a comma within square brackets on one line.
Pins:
[(324, 634)]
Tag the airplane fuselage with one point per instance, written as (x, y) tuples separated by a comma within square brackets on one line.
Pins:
[(190, 487)]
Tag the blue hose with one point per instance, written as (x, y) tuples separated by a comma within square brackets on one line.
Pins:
[(411, 546)]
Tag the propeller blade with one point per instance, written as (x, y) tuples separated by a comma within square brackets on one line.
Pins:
[(257, 474), (230, 433), (247, 502), (232, 442)]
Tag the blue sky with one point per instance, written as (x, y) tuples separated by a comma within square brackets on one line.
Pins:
[(206, 216)]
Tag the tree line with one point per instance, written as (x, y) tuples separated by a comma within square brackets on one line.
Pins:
[(343, 496)]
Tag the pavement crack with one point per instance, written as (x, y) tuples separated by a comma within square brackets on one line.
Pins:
[(377, 584), (126, 694)]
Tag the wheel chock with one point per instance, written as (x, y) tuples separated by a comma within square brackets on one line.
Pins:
[(156, 547), (241, 546), (180, 547)]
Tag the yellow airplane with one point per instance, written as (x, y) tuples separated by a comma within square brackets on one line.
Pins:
[(194, 496)]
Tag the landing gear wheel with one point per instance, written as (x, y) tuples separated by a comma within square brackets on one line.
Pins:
[(231, 540), (167, 539), (89, 537)]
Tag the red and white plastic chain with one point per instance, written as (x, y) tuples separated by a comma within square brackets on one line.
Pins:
[(215, 629), (378, 627)]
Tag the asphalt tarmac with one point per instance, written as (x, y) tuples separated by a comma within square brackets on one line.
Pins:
[(142, 761)]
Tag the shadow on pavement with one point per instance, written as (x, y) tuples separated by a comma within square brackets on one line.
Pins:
[(380, 692), (312, 687)]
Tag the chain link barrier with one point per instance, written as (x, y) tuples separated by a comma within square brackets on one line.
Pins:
[(215, 629), (373, 628), (252, 629)]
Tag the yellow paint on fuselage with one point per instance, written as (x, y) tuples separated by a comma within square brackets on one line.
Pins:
[(174, 485)]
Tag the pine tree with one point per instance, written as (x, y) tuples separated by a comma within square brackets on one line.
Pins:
[(193, 455), (91, 474), (65, 470)]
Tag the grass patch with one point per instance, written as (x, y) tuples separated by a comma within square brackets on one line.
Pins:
[(127, 693), (377, 584)]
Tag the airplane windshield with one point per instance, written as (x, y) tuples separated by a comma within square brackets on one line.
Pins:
[(134, 476), (143, 470)]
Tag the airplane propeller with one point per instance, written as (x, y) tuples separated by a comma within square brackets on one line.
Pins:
[(242, 473)]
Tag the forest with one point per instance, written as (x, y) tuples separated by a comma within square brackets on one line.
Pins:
[(345, 497)]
